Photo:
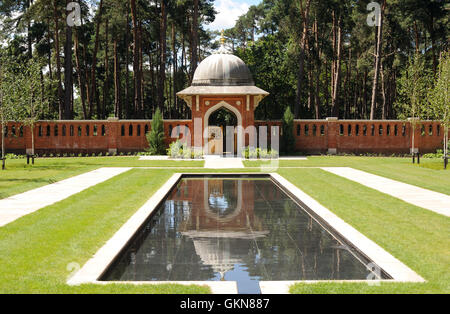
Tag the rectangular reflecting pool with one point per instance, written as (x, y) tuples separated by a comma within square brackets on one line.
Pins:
[(236, 228)]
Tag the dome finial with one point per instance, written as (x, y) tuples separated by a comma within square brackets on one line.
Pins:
[(222, 37)]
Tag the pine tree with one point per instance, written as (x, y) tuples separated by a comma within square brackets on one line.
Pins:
[(288, 140), (156, 137)]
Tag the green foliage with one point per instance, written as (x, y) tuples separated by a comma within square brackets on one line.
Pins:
[(178, 150), (439, 96), (259, 153), (9, 97), (175, 149), (414, 84), (273, 71), (267, 37), (287, 139), (156, 137), (439, 154)]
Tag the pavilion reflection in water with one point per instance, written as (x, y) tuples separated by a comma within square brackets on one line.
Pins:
[(222, 224), (239, 229)]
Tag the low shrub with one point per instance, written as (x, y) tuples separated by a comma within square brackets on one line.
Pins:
[(177, 150), (258, 153), (439, 154)]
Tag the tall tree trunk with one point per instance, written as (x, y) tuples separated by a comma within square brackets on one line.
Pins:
[(347, 86), (127, 69), (364, 109), (333, 59), (326, 86), (433, 45), (163, 42), (304, 12), (153, 80), (49, 55), (68, 73), (86, 86), (317, 70), (87, 82), (3, 139), (356, 90), (106, 82), (117, 102), (174, 71), (194, 59), (141, 73), (136, 66), (378, 56), (80, 76), (337, 77), (94, 95), (58, 61), (383, 93), (29, 36), (417, 41)]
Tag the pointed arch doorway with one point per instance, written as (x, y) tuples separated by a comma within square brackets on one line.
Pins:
[(219, 141)]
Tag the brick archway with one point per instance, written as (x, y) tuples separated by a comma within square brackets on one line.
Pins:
[(240, 129)]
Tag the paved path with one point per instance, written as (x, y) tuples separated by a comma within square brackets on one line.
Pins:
[(434, 201), (154, 158), (16, 206), (294, 158), (218, 162)]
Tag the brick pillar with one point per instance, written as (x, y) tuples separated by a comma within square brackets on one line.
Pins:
[(112, 134), (332, 133)]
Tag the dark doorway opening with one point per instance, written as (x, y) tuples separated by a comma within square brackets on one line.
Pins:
[(222, 118)]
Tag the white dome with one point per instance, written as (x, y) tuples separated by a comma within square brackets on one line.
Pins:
[(222, 69)]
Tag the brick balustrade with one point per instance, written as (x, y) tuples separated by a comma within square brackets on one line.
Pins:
[(312, 136)]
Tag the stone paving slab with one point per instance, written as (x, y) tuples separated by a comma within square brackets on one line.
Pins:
[(19, 205), (154, 158), (434, 201), (218, 162)]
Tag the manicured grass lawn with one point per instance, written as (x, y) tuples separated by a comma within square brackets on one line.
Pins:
[(417, 237), (36, 249), (429, 175), (20, 177)]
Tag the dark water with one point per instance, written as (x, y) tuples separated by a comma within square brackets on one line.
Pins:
[(233, 229)]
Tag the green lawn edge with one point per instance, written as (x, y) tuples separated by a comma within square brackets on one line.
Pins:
[(417, 237), (37, 250)]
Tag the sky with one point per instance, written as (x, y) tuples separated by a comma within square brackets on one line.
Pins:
[(229, 11)]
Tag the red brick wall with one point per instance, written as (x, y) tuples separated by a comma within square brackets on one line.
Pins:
[(347, 136), (312, 136)]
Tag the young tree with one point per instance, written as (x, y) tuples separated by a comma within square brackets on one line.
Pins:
[(439, 98), (412, 94), (8, 100), (32, 100), (156, 136), (288, 140)]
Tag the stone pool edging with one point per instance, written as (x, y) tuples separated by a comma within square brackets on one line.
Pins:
[(105, 256)]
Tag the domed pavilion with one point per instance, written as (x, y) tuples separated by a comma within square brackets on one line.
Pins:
[(222, 94)]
